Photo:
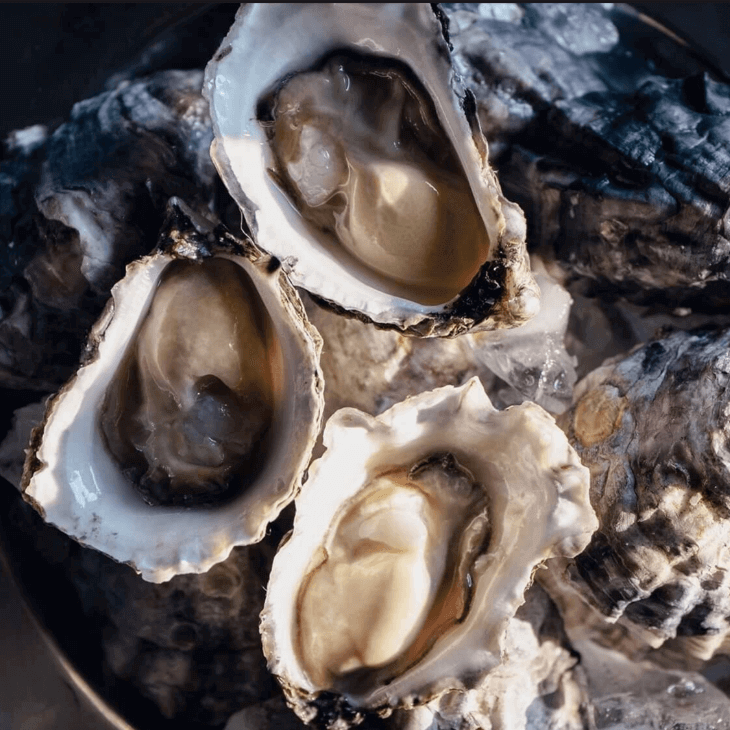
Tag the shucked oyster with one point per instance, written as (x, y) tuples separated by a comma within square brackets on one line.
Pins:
[(415, 538), (343, 135), (201, 385)]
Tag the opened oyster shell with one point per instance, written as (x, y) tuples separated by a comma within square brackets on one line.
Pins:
[(415, 538), (201, 386), (343, 134)]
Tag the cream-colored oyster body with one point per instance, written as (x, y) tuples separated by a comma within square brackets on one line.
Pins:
[(192, 420), (343, 134), (415, 538)]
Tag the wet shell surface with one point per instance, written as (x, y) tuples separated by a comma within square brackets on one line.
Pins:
[(652, 427), (344, 136), (192, 420), (416, 535)]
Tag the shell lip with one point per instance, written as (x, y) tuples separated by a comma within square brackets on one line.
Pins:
[(91, 499)]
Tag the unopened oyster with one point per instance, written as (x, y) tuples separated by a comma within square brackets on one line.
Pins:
[(415, 538), (201, 385), (613, 138), (342, 133), (653, 428), (79, 205)]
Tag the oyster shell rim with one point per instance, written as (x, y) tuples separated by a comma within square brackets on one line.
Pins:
[(572, 505)]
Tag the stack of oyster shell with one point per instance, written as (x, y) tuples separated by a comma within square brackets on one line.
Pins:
[(457, 558)]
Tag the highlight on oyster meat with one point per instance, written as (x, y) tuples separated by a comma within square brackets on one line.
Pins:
[(415, 538), (653, 429), (201, 389), (343, 134)]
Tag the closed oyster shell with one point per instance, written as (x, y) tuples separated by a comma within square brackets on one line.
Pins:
[(80, 204), (500, 493), (80, 480), (612, 136), (379, 51), (652, 427)]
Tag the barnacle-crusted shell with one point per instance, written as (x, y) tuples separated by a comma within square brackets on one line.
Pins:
[(652, 427), (78, 484), (415, 538), (299, 92)]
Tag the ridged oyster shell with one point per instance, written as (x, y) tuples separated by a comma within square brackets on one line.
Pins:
[(652, 427), (79, 205), (394, 51), (78, 484), (415, 538)]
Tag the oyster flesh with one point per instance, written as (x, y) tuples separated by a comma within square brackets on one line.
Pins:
[(201, 385), (411, 550), (342, 133)]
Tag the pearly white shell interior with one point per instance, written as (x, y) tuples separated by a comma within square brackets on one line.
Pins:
[(538, 508), (83, 492)]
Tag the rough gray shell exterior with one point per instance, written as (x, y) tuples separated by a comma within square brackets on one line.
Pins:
[(653, 428), (79, 205), (615, 143)]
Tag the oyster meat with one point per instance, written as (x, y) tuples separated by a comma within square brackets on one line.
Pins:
[(201, 385), (342, 133), (404, 595), (411, 550)]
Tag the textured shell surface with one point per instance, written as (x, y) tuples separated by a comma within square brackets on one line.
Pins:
[(415, 538), (538, 685), (83, 203), (652, 427), (403, 598), (224, 432), (631, 190), (343, 134)]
